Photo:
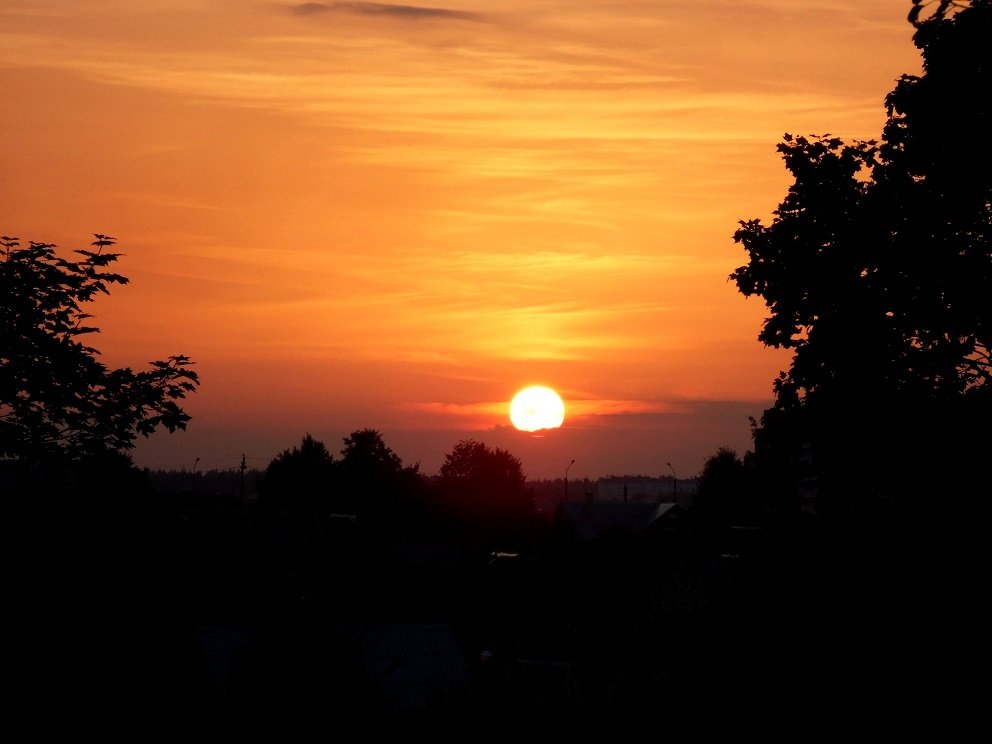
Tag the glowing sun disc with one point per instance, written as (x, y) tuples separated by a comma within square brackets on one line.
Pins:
[(537, 407)]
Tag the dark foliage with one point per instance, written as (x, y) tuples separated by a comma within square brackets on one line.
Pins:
[(300, 478), (100, 621), (877, 270), (368, 482), (487, 490), (389, 495), (725, 494), (58, 404)]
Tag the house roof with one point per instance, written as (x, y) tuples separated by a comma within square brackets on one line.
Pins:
[(592, 519)]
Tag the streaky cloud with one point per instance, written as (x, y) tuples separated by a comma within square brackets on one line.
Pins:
[(413, 12)]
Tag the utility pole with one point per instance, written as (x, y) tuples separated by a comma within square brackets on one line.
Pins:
[(675, 485), (566, 478), (244, 467)]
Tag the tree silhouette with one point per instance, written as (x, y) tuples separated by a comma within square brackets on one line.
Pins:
[(365, 452), (368, 481), (58, 404), (302, 478), (89, 535), (487, 488), (725, 494), (378, 486), (876, 270)]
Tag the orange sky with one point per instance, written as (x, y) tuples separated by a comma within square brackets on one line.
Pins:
[(361, 215)]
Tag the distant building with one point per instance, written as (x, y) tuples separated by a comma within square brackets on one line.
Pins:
[(645, 488)]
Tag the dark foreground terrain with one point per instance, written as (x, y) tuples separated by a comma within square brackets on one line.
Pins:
[(158, 614)]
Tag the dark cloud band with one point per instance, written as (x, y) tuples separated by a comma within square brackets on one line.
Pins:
[(414, 12)]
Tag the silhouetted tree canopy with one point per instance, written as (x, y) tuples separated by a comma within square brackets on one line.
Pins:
[(300, 478), (725, 492), (58, 404), (376, 483), (369, 481), (924, 10), (365, 452), (877, 272), (487, 487)]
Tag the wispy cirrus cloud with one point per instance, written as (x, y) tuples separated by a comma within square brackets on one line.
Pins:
[(412, 12)]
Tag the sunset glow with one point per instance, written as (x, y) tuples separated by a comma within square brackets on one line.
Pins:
[(376, 215)]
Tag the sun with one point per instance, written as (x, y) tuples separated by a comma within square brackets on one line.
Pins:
[(537, 407)]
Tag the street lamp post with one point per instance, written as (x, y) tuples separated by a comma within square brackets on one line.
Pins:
[(566, 478), (675, 485)]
